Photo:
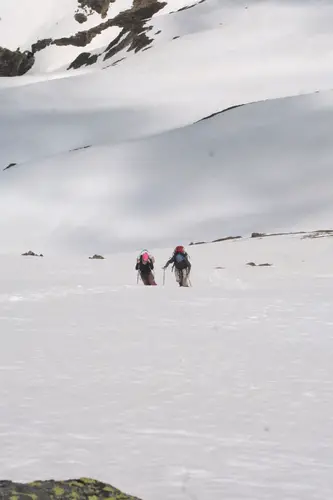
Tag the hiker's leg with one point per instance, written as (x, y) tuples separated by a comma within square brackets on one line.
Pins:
[(185, 277), (186, 274), (151, 279), (145, 279)]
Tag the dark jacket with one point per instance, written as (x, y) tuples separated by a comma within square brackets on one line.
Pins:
[(144, 268), (185, 264)]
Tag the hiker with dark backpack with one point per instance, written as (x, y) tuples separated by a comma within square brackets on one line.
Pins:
[(181, 265), (145, 266)]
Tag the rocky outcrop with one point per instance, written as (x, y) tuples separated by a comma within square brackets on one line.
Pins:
[(190, 6), (134, 32), (80, 17), (224, 238), (83, 488), (258, 235), (15, 63), (133, 35), (99, 6), (227, 238), (253, 264), (143, 4), (84, 59), (10, 165), (319, 233), (96, 256), (193, 243), (32, 254), (41, 44)]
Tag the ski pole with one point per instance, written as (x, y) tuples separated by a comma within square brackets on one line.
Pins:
[(163, 277), (188, 278)]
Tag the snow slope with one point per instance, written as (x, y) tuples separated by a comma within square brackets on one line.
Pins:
[(218, 391), (223, 390), (258, 167), (253, 168)]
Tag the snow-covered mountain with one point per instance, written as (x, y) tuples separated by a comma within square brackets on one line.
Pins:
[(110, 154), (150, 124)]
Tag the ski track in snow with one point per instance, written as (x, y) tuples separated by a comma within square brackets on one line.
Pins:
[(220, 390)]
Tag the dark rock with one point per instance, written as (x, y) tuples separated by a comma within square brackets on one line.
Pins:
[(227, 238), (10, 165), (319, 233), (197, 243), (258, 265), (80, 39), (83, 488), (115, 45), (84, 59), (80, 17), (41, 44), (118, 61), (81, 147), (144, 4), (140, 42), (134, 32), (258, 235), (134, 38), (96, 256), (15, 63), (266, 235), (32, 254), (190, 6), (99, 6)]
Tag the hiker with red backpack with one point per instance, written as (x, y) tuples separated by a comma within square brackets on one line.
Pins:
[(181, 265), (144, 266)]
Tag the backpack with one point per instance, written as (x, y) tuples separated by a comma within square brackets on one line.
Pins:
[(180, 258), (151, 258)]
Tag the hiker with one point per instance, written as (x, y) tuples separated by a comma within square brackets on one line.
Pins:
[(145, 266), (181, 265)]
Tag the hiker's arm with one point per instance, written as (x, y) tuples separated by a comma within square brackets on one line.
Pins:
[(169, 262)]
